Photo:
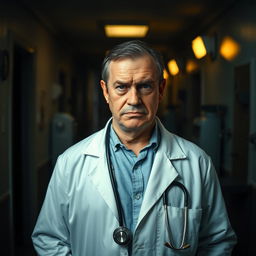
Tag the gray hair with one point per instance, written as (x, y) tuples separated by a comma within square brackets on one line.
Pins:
[(132, 49)]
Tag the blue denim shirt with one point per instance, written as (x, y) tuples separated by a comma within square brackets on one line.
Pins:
[(132, 174)]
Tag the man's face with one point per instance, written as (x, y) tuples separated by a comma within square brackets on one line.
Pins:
[(133, 93)]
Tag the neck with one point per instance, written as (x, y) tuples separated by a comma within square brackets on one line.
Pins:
[(134, 140)]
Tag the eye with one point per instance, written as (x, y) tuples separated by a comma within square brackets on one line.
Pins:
[(145, 88), (121, 88)]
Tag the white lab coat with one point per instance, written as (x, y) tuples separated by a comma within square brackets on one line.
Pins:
[(79, 213)]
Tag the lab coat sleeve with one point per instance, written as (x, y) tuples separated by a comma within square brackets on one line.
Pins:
[(216, 236), (51, 233)]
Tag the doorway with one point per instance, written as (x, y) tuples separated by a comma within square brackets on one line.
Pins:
[(22, 144), (192, 103), (241, 123)]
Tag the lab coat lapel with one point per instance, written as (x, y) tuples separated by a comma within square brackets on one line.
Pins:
[(163, 172), (162, 175), (100, 174), (101, 180)]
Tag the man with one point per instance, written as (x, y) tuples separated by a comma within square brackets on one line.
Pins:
[(133, 188)]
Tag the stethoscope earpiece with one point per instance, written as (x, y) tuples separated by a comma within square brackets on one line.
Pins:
[(122, 236)]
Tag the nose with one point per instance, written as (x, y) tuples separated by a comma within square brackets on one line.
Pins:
[(133, 97)]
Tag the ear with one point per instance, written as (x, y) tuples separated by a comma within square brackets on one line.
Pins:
[(161, 88), (104, 90)]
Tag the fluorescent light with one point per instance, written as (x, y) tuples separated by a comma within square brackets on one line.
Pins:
[(126, 30), (173, 67), (198, 47)]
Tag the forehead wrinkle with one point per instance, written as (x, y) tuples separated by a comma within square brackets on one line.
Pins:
[(131, 71), (136, 76)]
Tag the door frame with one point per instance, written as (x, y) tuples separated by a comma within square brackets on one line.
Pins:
[(251, 173), (252, 128), (29, 182)]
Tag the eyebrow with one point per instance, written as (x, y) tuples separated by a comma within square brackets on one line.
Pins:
[(120, 82), (146, 81)]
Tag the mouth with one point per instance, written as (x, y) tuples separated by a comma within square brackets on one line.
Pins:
[(134, 113)]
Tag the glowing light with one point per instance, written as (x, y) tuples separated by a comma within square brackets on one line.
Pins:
[(191, 66), (165, 75), (229, 48), (126, 30), (173, 67), (31, 50), (199, 47)]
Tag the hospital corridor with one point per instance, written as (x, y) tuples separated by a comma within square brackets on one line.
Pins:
[(51, 55)]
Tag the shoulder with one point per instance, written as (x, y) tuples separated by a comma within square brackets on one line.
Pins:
[(178, 147), (82, 146), (188, 147), (190, 161), (73, 158)]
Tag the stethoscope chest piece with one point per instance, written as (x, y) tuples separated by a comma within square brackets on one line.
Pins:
[(122, 236)]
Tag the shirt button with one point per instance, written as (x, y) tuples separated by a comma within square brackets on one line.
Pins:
[(138, 196)]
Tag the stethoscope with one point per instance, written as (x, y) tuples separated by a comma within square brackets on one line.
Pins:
[(122, 235), (183, 244)]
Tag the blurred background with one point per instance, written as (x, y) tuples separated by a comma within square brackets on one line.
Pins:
[(50, 98)]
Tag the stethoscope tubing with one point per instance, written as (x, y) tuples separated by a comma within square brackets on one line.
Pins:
[(121, 235), (185, 217), (112, 178)]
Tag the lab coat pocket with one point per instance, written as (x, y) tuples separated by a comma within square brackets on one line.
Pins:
[(174, 234)]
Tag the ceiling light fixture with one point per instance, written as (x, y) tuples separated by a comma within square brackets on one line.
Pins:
[(126, 30)]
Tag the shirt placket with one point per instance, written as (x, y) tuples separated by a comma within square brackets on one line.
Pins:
[(138, 188)]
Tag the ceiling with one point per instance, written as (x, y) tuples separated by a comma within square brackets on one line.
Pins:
[(173, 23)]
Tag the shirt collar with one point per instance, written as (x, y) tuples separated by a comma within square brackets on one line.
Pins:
[(153, 142)]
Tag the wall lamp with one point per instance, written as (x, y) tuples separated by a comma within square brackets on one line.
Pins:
[(191, 66), (229, 48), (203, 45), (165, 74), (173, 67)]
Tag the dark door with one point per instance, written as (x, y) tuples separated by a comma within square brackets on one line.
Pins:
[(241, 122), (22, 134)]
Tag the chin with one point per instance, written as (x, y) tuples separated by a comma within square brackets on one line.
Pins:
[(134, 125)]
